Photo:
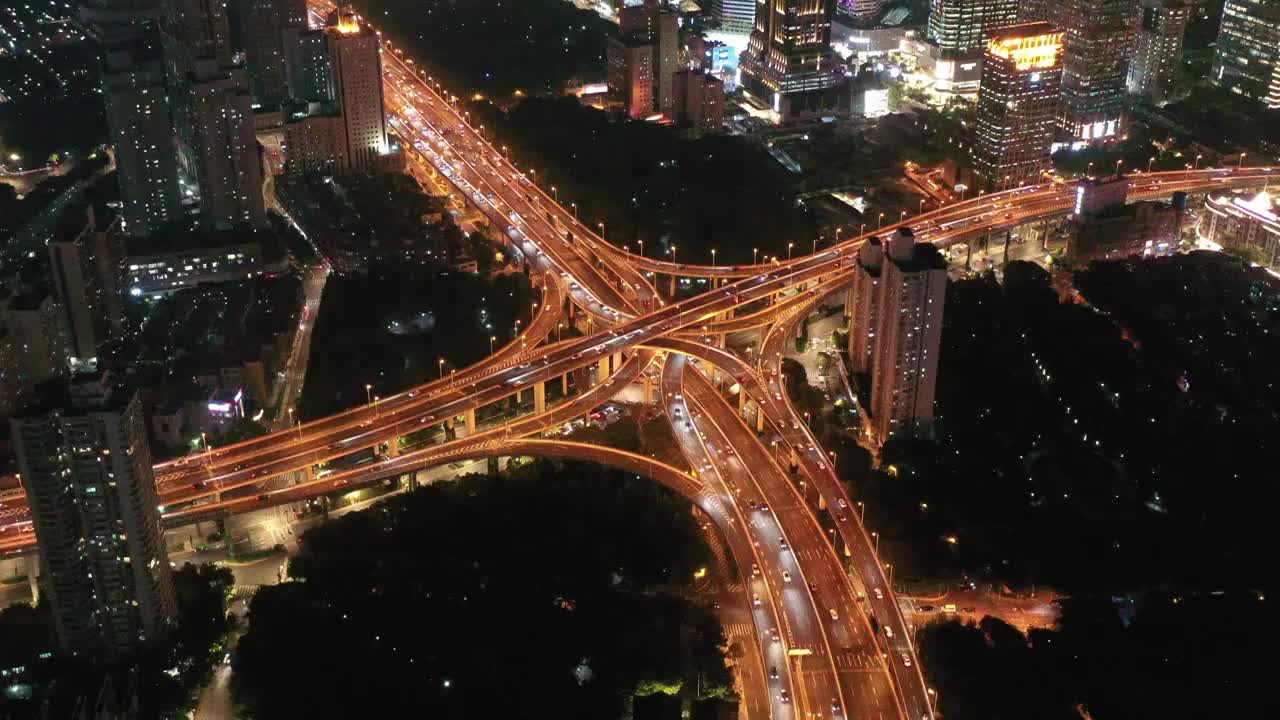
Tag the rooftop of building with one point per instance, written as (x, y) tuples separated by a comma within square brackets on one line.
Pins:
[(924, 256), (187, 236), (89, 390), (29, 299)]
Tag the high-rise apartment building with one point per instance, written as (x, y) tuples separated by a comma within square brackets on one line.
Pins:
[(788, 63), (35, 321), (355, 60), (630, 72), (651, 24), (734, 16), (137, 106), (84, 264), (228, 165), (1153, 70), (1097, 43), (258, 28), (699, 100), (960, 28), (913, 283), (1017, 105), (1246, 58), (86, 467), (197, 29), (862, 304)]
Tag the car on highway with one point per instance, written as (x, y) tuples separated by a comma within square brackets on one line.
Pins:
[(782, 544), (784, 696), (755, 599), (879, 595), (786, 576), (832, 612), (773, 672), (906, 659)]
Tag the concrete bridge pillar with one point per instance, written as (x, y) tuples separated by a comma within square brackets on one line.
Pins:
[(471, 422), (647, 385), (602, 369), (617, 361), (672, 286), (759, 418), (564, 385), (742, 398), (540, 398), (393, 450)]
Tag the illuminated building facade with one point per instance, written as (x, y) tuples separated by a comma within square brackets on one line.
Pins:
[(861, 10), (789, 64), (1236, 219), (862, 304), (1158, 49), (1096, 48), (1246, 57), (1017, 105), (699, 100)]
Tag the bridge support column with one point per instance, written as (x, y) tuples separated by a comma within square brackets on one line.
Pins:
[(602, 369), (759, 418), (493, 464), (672, 291), (617, 361), (647, 386), (848, 302), (742, 398), (393, 449), (564, 385), (540, 398), (471, 422)]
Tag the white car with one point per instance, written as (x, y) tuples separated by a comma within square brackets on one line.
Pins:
[(786, 576)]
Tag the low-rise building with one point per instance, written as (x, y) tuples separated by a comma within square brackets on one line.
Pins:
[(174, 260), (1241, 219)]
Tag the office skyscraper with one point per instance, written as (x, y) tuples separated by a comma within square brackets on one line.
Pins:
[(86, 467), (789, 64), (734, 16), (1158, 50), (1017, 105), (963, 25), (904, 374), (228, 167), (1246, 59), (1097, 44), (862, 303), (355, 60), (137, 108), (960, 28)]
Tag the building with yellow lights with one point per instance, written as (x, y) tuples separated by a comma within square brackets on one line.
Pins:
[(789, 64), (1017, 104), (1236, 219)]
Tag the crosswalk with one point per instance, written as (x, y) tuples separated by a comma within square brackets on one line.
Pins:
[(738, 630), (245, 591)]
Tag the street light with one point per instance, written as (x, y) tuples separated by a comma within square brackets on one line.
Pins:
[(368, 393), (1196, 165), (921, 205), (862, 230), (902, 216), (440, 366), (641, 247), (876, 535), (755, 256), (880, 222), (713, 257), (492, 338), (1118, 164), (1150, 162), (1242, 156), (555, 193), (601, 231), (575, 210)]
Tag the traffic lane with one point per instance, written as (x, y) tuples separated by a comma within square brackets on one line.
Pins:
[(764, 610), (899, 654), (532, 194), (819, 682)]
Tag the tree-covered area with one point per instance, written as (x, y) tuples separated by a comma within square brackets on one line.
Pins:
[(1119, 444), (554, 590), (1158, 655), (535, 46), (353, 343), (647, 184)]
